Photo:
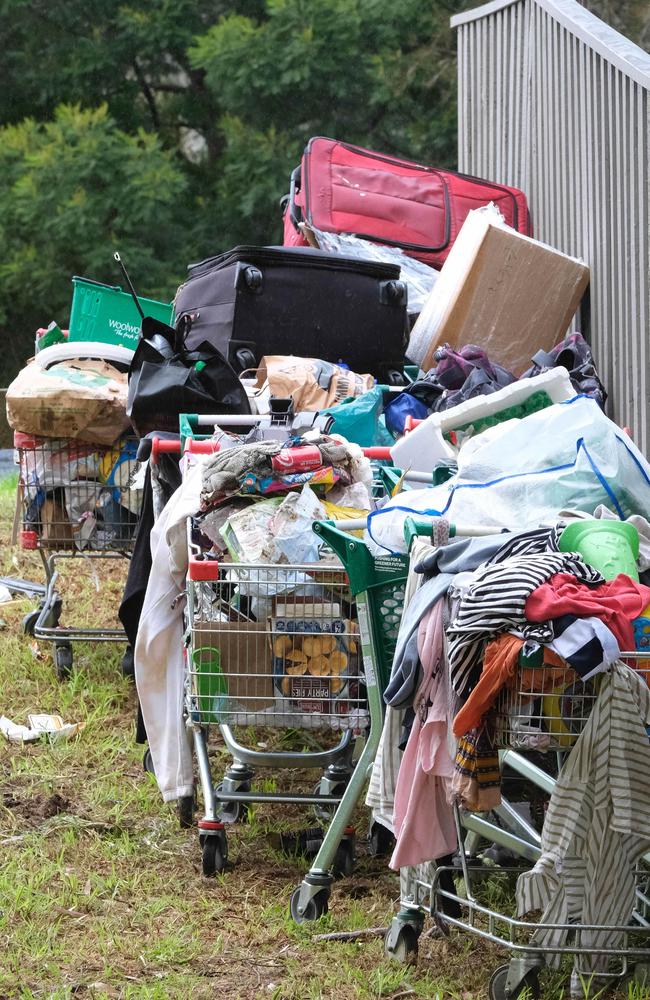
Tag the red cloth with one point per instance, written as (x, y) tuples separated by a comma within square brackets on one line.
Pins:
[(616, 602)]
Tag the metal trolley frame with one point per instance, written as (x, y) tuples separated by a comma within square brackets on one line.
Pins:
[(343, 779), (553, 708), (76, 502)]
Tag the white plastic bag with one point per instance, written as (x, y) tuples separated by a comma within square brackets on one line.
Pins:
[(521, 474)]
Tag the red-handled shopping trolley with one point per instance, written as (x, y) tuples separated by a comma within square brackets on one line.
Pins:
[(76, 501)]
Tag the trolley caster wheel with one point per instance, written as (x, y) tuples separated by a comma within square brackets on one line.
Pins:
[(325, 813), (381, 841), (185, 810), (29, 622), (63, 661), (528, 987), (315, 909), (231, 811), (214, 854), (401, 944), (344, 859), (147, 762)]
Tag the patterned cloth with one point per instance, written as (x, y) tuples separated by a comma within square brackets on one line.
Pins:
[(476, 784), (597, 825), (495, 603)]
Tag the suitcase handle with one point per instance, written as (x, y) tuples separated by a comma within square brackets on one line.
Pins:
[(294, 212)]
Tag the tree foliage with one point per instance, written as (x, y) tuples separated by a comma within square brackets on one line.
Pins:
[(168, 128)]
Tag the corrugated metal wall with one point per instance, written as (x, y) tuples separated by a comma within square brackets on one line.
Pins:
[(555, 102)]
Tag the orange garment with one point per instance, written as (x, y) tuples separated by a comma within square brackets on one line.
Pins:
[(500, 663)]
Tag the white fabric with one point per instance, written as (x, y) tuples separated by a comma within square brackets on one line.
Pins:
[(158, 650), (570, 646)]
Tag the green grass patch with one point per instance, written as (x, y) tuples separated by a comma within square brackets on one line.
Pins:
[(101, 892)]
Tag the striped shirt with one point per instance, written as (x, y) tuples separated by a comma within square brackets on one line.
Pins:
[(597, 826), (527, 543), (495, 603)]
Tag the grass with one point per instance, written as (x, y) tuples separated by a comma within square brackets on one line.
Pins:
[(101, 893)]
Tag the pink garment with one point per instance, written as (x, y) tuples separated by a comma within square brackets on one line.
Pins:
[(423, 819)]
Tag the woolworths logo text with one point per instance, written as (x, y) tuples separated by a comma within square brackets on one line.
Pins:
[(123, 327)]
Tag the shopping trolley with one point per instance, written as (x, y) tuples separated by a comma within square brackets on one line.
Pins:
[(297, 646), (75, 500), (546, 711), (278, 646)]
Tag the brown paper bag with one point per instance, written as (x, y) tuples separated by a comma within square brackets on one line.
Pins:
[(312, 384), (85, 400)]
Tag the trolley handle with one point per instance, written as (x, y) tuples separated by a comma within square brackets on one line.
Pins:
[(417, 528), (155, 446), (164, 446)]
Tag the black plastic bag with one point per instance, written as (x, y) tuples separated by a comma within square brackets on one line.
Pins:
[(459, 375), (166, 380)]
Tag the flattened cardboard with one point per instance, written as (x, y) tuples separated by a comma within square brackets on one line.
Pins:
[(505, 292), (245, 655)]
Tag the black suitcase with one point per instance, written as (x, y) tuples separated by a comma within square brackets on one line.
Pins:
[(254, 301)]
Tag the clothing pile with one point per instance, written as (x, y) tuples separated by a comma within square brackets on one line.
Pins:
[(496, 630)]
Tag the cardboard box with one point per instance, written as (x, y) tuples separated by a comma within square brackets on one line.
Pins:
[(505, 292), (315, 657), (244, 657)]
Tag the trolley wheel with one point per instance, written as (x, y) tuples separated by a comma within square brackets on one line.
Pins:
[(185, 809), (316, 907), (528, 987), (29, 622), (147, 762), (63, 660), (402, 946), (214, 853), (344, 858), (325, 813), (231, 811), (381, 841)]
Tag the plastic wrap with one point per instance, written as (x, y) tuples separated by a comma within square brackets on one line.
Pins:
[(419, 278), (520, 474)]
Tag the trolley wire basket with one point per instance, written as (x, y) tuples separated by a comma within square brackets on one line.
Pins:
[(74, 500), (276, 646)]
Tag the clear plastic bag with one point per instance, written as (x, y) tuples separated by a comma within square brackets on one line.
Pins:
[(419, 278)]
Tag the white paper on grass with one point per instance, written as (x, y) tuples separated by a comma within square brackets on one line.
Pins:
[(517, 476)]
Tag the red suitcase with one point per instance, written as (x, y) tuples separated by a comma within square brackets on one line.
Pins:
[(341, 188)]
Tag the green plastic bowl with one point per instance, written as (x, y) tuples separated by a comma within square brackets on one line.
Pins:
[(611, 547)]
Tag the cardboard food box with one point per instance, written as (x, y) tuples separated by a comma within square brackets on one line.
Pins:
[(235, 675), (508, 293), (315, 658)]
